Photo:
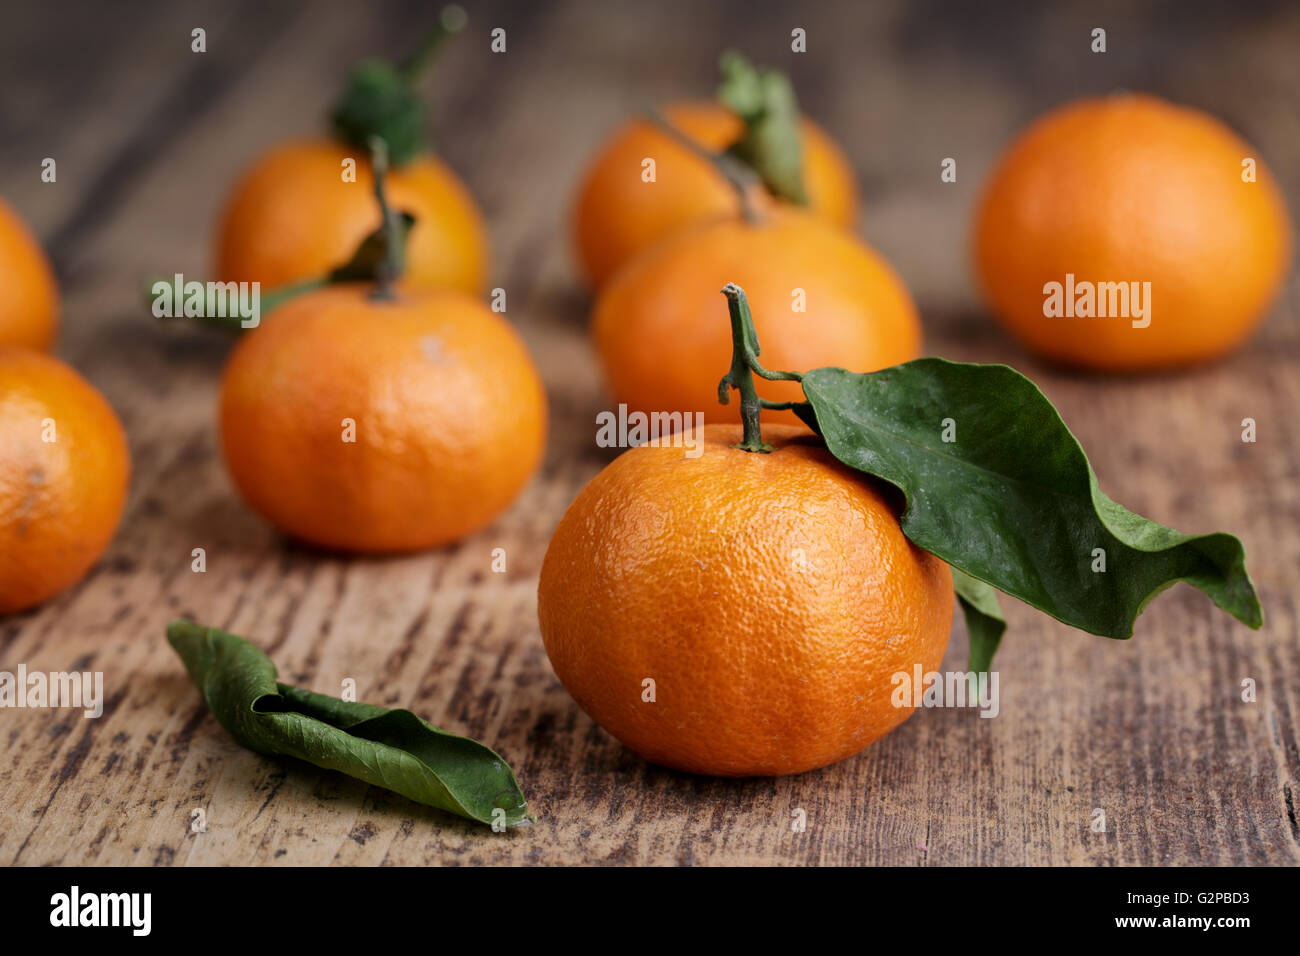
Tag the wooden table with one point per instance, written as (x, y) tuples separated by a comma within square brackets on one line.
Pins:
[(148, 137)]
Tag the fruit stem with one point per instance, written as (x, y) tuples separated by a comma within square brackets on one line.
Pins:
[(739, 176), (450, 22), (744, 366), (390, 270)]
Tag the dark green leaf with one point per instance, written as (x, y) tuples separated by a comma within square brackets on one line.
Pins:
[(370, 263), (1013, 500), (378, 100), (984, 621), (372, 256), (771, 144), (388, 748)]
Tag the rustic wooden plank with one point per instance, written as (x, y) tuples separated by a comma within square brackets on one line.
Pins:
[(1152, 731)]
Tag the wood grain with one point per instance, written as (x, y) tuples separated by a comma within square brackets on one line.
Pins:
[(149, 137)]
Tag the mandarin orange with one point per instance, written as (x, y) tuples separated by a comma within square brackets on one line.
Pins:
[(1128, 198), (738, 613), (381, 425), (292, 217), (29, 306), (819, 296), (64, 474), (617, 214)]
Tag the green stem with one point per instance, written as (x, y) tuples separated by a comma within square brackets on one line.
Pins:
[(282, 294), (739, 176), (744, 366), (390, 270), (450, 22)]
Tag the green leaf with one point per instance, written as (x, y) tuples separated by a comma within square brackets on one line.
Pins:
[(373, 254), (370, 263), (771, 144), (1013, 501), (378, 100), (285, 293), (215, 312), (388, 748), (984, 621)]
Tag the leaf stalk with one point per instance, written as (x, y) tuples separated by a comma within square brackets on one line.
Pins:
[(739, 176)]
